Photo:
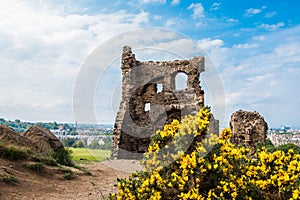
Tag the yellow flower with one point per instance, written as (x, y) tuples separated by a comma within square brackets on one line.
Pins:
[(183, 179), (296, 193), (208, 166), (234, 195), (225, 188)]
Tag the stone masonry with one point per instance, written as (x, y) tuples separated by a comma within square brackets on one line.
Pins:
[(248, 128), (150, 100)]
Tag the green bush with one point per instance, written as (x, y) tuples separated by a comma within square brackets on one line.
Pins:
[(63, 157), (87, 172), (94, 145), (49, 161), (10, 179), (269, 142), (68, 174), (78, 144), (107, 143), (12, 153), (36, 167), (198, 172), (69, 142), (285, 148)]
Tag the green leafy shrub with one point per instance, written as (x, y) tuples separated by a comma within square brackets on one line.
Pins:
[(36, 167), (10, 179), (63, 157), (48, 161), (78, 144), (285, 148), (94, 145), (107, 143), (69, 142), (12, 153), (226, 171), (68, 174), (269, 142), (87, 172)]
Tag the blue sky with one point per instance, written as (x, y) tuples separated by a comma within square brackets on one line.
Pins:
[(253, 45)]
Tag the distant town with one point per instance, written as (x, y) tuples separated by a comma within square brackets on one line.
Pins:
[(96, 136), (284, 135), (90, 135), (100, 135)]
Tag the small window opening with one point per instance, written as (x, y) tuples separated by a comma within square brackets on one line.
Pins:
[(147, 107), (181, 81), (159, 87)]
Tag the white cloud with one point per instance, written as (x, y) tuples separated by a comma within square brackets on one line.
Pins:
[(160, 45), (231, 20), (175, 2), (42, 50), (174, 22), (264, 77), (200, 24), (272, 27), (288, 53), (184, 47), (208, 43), (43, 46), (245, 46), (215, 6), (171, 22), (252, 11), (270, 14), (142, 17), (198, 10), (259, 37), (153, 1), (157, 17), (260, 79)]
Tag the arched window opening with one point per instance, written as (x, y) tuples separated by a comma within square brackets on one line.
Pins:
[(147, 107), (159, 87), (181, 81)]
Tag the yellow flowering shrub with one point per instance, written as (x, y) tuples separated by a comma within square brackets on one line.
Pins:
[(181, 164)]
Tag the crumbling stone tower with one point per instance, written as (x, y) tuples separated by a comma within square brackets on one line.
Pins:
[(150, 100), (248, 128)]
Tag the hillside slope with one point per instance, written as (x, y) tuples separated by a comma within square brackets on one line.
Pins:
[(51, 184)]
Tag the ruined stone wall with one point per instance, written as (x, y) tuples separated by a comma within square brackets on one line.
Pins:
[(248, 128), (144, 109)]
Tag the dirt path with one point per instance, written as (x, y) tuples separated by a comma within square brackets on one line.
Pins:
[(50, 185)]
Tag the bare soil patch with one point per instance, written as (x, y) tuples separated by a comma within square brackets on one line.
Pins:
[(50, 183)]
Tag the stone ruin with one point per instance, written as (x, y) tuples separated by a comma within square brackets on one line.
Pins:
[(150, 99), (248, 128)]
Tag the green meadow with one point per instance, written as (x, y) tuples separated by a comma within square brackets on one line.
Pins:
[(85, 154)]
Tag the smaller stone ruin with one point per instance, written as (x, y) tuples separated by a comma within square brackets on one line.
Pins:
[(248, 128)]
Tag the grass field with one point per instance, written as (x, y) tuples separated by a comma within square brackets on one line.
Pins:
[(86, 154)]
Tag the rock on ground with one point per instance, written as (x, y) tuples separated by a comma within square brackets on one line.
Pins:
[(44, 140)]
